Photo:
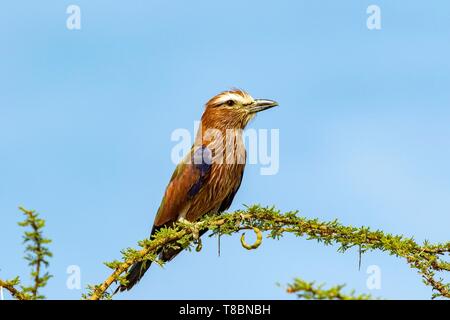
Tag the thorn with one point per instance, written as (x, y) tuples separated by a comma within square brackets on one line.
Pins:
[(218, 243), (359, 262)]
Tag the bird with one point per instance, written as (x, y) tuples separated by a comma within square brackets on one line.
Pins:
[(207, 179)]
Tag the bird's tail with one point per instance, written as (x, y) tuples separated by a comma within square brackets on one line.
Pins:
[(135, 274), (138, 269)]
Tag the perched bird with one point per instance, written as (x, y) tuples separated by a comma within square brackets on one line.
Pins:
[(207, 179)]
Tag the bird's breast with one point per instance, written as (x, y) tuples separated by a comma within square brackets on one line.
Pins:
[(225, 177)]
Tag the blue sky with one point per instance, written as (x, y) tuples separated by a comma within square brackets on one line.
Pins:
[(86, 118)]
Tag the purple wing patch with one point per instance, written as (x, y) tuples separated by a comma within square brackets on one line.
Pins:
[(201, 161)]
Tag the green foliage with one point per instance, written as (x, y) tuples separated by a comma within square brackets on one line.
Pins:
[(37, 254), (428, 259), (311, 291)]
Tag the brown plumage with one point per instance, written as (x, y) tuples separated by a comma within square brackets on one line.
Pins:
[(207, 179)]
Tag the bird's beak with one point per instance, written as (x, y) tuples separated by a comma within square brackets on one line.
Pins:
[(262, 104)]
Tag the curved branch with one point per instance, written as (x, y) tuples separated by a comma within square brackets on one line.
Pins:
[(426, 258)]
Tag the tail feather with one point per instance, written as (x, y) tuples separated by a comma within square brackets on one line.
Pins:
[(138, 269), (135, 274)]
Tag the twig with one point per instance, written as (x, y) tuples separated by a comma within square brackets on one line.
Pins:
[(37, 252), (311, 291), (8, 285)]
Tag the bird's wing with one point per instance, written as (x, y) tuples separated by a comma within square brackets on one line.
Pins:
[(187, 180)]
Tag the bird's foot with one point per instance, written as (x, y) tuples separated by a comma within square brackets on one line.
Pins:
[(243, 217), (192, 226)]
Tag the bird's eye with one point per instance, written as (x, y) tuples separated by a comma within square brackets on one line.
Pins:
[(230, 103)]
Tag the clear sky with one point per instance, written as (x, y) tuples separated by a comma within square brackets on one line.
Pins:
[(86, 118)]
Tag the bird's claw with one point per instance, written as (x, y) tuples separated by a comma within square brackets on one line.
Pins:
[(192, 226), (199, 246)]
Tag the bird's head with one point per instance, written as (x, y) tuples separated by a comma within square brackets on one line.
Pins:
[(233, 109)]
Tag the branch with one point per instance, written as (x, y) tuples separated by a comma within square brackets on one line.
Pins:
[(10, 286), (426, 258), (36, 256), (310, 291)]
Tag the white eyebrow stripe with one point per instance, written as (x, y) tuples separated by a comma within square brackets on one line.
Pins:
[(233, 96)]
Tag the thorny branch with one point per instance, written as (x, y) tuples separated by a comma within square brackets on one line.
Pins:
[(426, 257), (10, 286), (36, 255)]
